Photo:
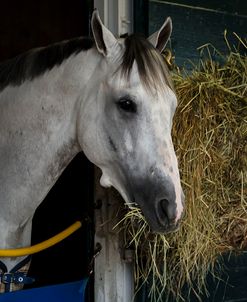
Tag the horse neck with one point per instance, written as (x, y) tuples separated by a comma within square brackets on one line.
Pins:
[(38, 122)]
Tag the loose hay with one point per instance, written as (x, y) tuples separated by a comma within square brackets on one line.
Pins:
[(210, 137)]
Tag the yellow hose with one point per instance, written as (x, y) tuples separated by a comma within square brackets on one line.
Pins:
[(24, 251)]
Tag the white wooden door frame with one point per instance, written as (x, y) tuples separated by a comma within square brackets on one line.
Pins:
[(117, 15), (113, 267), (114, 278)]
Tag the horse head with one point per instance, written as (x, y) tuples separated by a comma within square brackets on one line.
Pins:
[(127, 132)]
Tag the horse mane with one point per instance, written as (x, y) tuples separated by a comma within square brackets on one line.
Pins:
[(36, 62), (31, 64), (151, 65)]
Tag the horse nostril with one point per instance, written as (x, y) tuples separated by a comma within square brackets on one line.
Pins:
[(163, 205), (167, 211)]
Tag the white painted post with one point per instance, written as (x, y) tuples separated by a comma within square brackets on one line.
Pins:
[(114, 278), (117, 15)]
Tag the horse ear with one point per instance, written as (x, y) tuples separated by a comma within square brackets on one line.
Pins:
[(103, 38), (160, 38)]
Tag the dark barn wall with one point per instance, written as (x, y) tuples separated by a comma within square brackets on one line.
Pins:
[(24, 25), (27, 24)]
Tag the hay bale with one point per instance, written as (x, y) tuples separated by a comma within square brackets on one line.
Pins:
[(210, 138)]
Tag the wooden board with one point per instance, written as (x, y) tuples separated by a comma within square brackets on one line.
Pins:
[(113, 269)]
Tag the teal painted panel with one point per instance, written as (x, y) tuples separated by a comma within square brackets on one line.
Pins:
[(193, 27), (232, 286), (236, 7), (140, 8)]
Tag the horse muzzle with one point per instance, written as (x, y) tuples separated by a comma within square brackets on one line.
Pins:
[(161, 206), (164, 217)]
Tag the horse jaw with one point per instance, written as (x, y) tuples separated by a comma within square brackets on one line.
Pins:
[(105, 181), (108, 181)]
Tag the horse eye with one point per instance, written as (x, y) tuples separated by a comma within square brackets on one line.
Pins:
[(127, 105)]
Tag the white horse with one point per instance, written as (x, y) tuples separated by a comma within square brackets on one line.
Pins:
[(111, 98)]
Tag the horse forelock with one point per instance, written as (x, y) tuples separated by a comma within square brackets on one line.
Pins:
[(151, 65)]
